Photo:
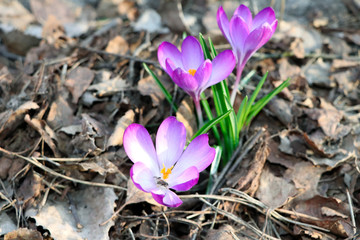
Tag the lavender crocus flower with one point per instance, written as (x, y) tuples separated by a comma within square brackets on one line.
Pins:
[(169, 166), (246, 34), (190, 71)]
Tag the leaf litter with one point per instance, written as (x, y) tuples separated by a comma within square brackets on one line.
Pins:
[(74, 82)]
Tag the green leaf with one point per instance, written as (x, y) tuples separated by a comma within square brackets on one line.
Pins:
[(212, 47), (210, 124), (209, 115), (214, 168), (241, 114), (205, 48), (246, 79), (255, 109), (254, 95), (163, 89)]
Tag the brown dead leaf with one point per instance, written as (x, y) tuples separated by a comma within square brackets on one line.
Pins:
[(342, 63), (306, 177), (5, 164), (274, 191), (148, 87), (224, 232), (30, 188), (336, 224), (281, 109), (14, 14), (10, 120), (23, 234), (78, 81), (185, 114), (45, 132), (60, 114), (116, 137), (278, 157), (297, 47), (318, 74), (117, 45), (54, 32), (109, 87)]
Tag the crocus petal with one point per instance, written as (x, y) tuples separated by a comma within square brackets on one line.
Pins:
[(167, 50), (185, 81), (222, 65), (170, 141), (239, 32), (203, 74), (185, 180), (267, 15), (143, 177), (198, 154), (223, 23), (245, 13), (139, 147), (169, 199), (192, 54), (256, 40)]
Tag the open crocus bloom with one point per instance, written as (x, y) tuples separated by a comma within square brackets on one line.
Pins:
[(188, 68), (169, 166)]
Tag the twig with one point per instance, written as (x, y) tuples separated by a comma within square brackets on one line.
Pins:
[(49, 170), (351, 211)]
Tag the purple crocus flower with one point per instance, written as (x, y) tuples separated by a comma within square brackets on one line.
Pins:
[(169, 166), (190, 71), (245, 34)]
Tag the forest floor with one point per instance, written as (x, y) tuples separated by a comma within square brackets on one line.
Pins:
[(72, 80)]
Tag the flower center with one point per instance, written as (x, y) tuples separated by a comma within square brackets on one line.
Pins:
[(166, 172), (192, 71)]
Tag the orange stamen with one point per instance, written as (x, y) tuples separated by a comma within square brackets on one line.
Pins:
[(192, 71), (166, 172)]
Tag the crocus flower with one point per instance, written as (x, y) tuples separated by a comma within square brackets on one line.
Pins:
[(190, 71), (245, 34), (169, 166)]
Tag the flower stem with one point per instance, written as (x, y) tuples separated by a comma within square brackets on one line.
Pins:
[(236, 84), (198, 112)]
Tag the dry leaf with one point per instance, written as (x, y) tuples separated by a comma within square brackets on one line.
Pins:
[(148, 87), (274, 191), (185, 114), (135, 195), (224, 232), (109, 87), (6, 224), (117, 45), (60, 114), (23, 234), (297, 47), (318, 74), (116, 137), (94, 206), (30, 188), (78, 81)]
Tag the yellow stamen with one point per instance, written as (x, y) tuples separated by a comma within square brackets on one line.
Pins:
[(166, 172), (192, 71)]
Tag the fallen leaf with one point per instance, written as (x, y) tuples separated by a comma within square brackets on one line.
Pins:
[(30, 188), (314, 207), (94, 206), (186, 115), (318, 74), (6, 224), (116, 137), (10, 120), (297, 47), (150, 21), (224, 232), (60, 114), (148, 87), (117, 45), (281, 109), (78, 81), (274, 191), (109, 87), (23, 234)]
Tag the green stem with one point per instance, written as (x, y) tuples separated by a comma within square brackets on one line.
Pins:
[(198, 112)]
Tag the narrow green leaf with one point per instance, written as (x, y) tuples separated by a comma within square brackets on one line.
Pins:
[(232, 124), (246, 79), (209, 115), (254, 95), (214, 168), (163, 89), (210, 124), (212, 47), (241, 114), (205, 48), (256, 108)]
